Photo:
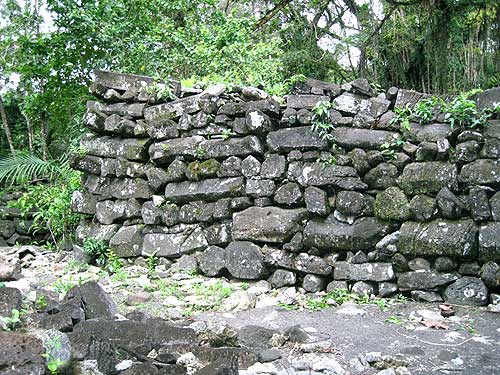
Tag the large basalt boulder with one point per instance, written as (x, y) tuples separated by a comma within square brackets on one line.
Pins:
[(488, 98), (363, 272), (127, 241), (209, 190), (481, 172), (409, 97), (333, 235), (86, 163), (423, 207), (353, 204), (392, 204), (130, 335), (97, 231), (126, 188), (428, 132), (124, 82), (305, 101), (199, 148), (95, 301), (175, 109), (301, 138), (128, 148), (454, 238), (428, 177), (212, 261), (303, 262), (244, 260), (449, 205), (354, 104), (268, 106), (350, 138), (382, 176), (424, 279), (489, 242), (173, 245), (467, 291), (267, 224), (314, 174), (83, 202), (316, 201), (21, 354), (10, 267)]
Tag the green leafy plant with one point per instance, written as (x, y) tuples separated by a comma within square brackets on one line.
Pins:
[(162, 91), (424, 109), (462, 112), (41, 303), (226, 134), (11, 322), (394, 320), (200, 153), (402, 117), (388, 149), (104, 256), (51, 204), (152, 262), (321, 122)]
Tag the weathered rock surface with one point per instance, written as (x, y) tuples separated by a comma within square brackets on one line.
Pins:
[(175, 244), (467, 291), (333, 235), (439, 237), (363, 272), (131, 149), (301, 138), (424, 279), (211, 189), (244, 260), (429, 177), (267, 224)]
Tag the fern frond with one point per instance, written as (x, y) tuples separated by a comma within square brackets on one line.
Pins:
[(24, 167)]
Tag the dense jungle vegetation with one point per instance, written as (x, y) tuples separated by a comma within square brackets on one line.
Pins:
[(48, 49)]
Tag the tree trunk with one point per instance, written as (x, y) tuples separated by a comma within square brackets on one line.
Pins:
[(6, 128), (31, 136), (43, 135)]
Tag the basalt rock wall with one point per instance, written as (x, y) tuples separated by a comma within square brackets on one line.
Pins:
[(241, 185)]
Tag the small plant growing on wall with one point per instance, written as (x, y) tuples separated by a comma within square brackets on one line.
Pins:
[(104, 256)]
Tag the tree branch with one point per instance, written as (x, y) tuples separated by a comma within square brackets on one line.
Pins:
[(270, 14)]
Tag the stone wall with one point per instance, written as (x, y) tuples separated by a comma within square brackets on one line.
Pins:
[(241, 184), (14, 228)]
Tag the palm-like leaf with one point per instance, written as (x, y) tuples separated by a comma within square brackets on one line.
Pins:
[(24, 167)]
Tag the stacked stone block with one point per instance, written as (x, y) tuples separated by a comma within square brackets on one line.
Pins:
[(234, 178)]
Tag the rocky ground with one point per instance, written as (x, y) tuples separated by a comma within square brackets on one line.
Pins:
[(156, 319)]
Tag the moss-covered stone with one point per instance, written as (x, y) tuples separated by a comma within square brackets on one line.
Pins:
[(198, 170), (453, 238), (392, 204)]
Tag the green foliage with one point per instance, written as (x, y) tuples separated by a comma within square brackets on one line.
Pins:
[(104, 256), (152, 262), (402, 117), (394, 320), (52, 205), (321, 122), (41, 303), (425, 108), (389, 149), (10, 323), (462, 112), (24, 167)]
